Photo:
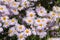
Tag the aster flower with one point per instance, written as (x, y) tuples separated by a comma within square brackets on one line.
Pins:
[(21, 36), (41, 11), (25, 3), (8, 1), (0, 24), (14, 4), (1, 29), (4, 18), (11, 31), (53, 38), (27, 32), (28, 20), (30, 13), (6, 24), (15, 11), (2, 8), (55, 27), (56, 8), (53, 15), (20, 28), (13, 21), (43, 34)]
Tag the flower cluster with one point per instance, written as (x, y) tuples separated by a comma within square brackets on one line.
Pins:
[(37, 20)]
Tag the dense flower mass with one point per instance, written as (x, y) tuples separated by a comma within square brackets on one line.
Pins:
[(30, 20)]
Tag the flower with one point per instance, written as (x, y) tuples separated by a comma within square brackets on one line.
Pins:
[(0, 24), (2, 8), (1, 29), (30, 13), (43, 34), (55, 27), (4, 18), (28, 20), (8, 1), (20, 7), (25, 3), (53, 38), (27, 32), (53, 15), (41, 26), (21, 36), (56, 8), (14, 4), (34, 31), (15, 11), (20, 28), (41, 11), (37, 21), (6, 24), (13, 21), (11, 31)]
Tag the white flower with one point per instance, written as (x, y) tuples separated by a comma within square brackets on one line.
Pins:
[(6, 24), (41, 11), (34, 31), (53, 39), (21, 36), (15, 11), (45, 20), (25, 3), (41, 26), (11, 31), (0, 24), (13, 21), (14, 4), (53, 15), (30, 13), (1, 29), (20, 28), (2, 8), (27, 32), (8, 1), (33, 0), (43, 34), (56, 8), (28, 20), (37, 21), (58, 15), (4, 18), (20, 8), (55, 27)]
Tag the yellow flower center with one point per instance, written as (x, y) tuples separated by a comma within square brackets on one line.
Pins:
[(21, 36), (25, 4), (6, 23), (31, 15), (41, 25), (14, 10), (41, 11), (20, 27), (38, 20), (10, 31), (29, 20), (13, 20), (1, 8), (53, 14), (14, 4), (27, 31), (4, 18), (40, 30)]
